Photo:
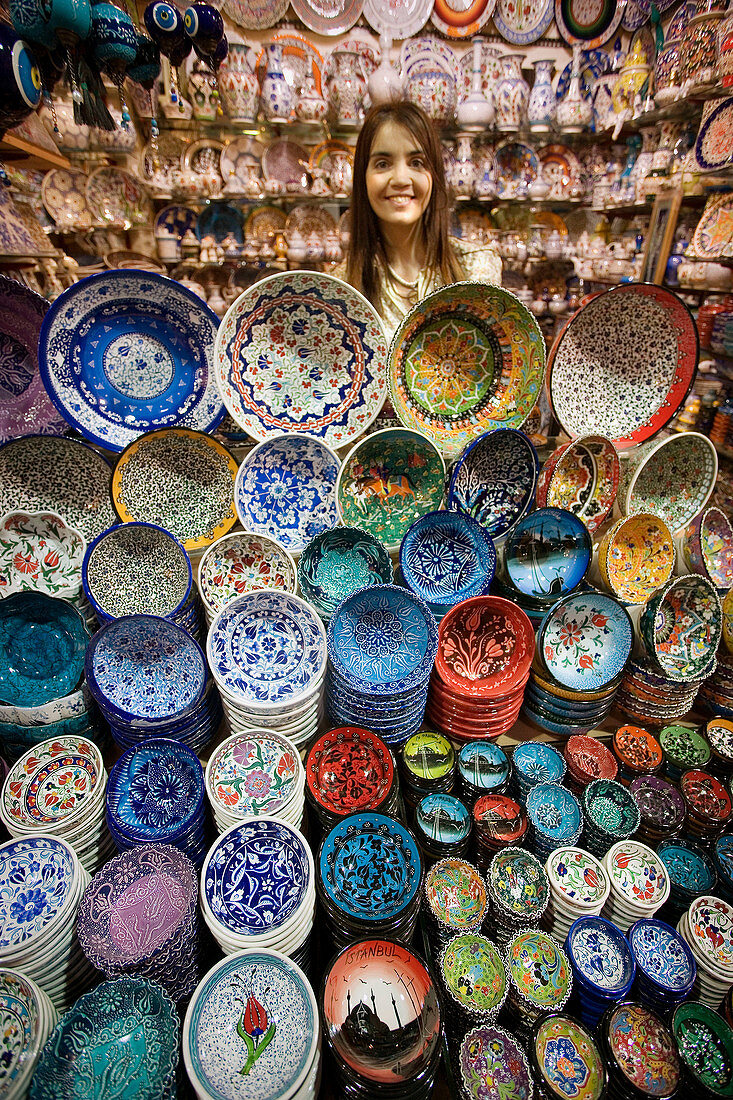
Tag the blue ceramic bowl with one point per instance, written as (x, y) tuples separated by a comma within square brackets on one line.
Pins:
[(447, 557), (552, 724), (663, 958), (337, 563), (494, 480), (602, 961), (483, 765), (535, 762), (585, 640), (554, 812), (155, 791), (562, 708), (42, 646), (547, 554)]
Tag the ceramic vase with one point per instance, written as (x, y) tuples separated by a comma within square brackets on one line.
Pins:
[(385, 83), (310, 106), (238, 85), (574, 113), (346, 89), (602, 101), (341, 174), (511, 94), (699, 52), (463, 171), (725, 52), (541, 104), (276, 94), (666, 74), (476, 112), (633, 75), (202, 92)]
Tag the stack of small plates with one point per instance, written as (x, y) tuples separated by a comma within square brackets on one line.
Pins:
[(254, 774), (242, 562), (722, 854), (641, 1054), (661, 808), (348, 771), (684, 749), (665, 966), (518, 892), (718, 733), (249, 1005), (498, 822), (564, 707), (381, 647), (535, 762), (43, 884), (257, 889), (149, 679), (587, 759), (639, 882), (649, 699), (130, 1031), (155, 795), (705, 1044), (485, 649), (691, 873), (442, 827), (455, 900), (638, 753), (492, 1063), (267, 653), (58, 789), (579, 887), (28, 1019), (716, 694), (427, 763), (708, 804), (707, 927), (483, 768), (474, 978), (603, 966), (138, 916), (540, 977), (611, 814), (368, 879), (555, 818)]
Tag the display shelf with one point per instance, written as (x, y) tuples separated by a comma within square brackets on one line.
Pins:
[(28, 155)]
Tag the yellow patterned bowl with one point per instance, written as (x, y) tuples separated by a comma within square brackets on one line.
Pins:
[(636, 557), (582, 477)]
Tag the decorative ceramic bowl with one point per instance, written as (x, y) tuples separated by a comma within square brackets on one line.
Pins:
[(636, 557), (42, 646), (585, 640), (485, 648), (640, 1049), (494, 479), (727, 609), (492, 1063), (30, 1018), (582, 477), (705, 1044), (243, 562), (681, 626), (565, 1057), (337, 563), (707, 547), (471, 955), (40, 552), (285, 489), (389, 480), (446, 558), (547, 553), (349, 770), (136, 568), (672, 478), (601, 958), (663, 958)]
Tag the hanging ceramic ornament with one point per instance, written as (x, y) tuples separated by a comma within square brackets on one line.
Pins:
[(164, 24), (144, 71), (114, 47), (204, 26), (20, 79), (70, 21)]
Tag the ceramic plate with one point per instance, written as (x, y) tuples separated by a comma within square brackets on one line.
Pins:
[(592, 63), (253, 774), (63, 193), (623, 364), (220, 220), (286, 161), (588, 24), (239, 152), (486, 647), (39, 551), (243, 562), (326, 17), (713, 237), (117, 199), (468, 358), (154, 790), (714, 142), (203, 156), (178, 479), (263, 222), (45, 868), (585, 640), (447, 557), (300, 59), (123, 351), (560, 168), (255, 15), (522, 23), (370, 867), (399, 19), (517, 165), (307, 218), (494, 480), (134, 568), (461, 20)]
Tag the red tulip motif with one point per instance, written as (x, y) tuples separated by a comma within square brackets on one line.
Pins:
[(255, 1030)]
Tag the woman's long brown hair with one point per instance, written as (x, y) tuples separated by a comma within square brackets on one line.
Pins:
[(366, 247)]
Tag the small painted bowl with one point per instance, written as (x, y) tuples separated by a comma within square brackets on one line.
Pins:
[(582, 477), (636, 557), (337, 563), (446, 558), (705, 1044), (243, 562), (585, 640), (672, 478), (40, 552), (708, 547), (494, 480), (547, 553), (681, 626), (42, 646)]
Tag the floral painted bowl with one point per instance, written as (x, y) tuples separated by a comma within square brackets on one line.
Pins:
[(707, 547), (337, 563), (243, 562), (681, 627), (547, 553), (387, 481), (636, 557), (40, 552), (585, 640), (446, 558), (582, 477), (672, 478), (494, 480)]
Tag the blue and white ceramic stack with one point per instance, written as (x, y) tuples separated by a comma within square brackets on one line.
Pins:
[(155, 795), (382, 643), (447, 557), (33, 1019), (603, 966), (535, 762), (555, 818), (665, 966), (149, 678)]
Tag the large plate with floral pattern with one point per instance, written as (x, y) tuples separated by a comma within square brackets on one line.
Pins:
[(588, 22), (302, 352), (255, 15), (116, 198), (585, 640), (468, 358), (461, 18), (522, 21), (125, 351), (713, 237), (714, 141), (623, 364)]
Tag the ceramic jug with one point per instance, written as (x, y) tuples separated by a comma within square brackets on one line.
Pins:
[(310, 106), (463, 170), (238, 85), (541, 104), (476, 111), (511, 94), (385, 83), (202, 92), (433, 87), (341, 174), (574, 113), (346, 89), (276, 94)]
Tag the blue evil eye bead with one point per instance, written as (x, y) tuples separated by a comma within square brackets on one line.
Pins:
[(20, 77), (204, 26), (163, 22), (114, 40)]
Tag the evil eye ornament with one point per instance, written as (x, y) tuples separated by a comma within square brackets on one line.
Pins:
[(146, 67), (20, 78), (214, 59), (163, 23), (204, 26)]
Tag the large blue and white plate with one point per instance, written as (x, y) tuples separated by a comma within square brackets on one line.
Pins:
[(369, 867), (36, 881), (494, 479), (302, 352), (256, 876), (447, 557), (286, 489), (600, 956), (123, 352), (267, 648)]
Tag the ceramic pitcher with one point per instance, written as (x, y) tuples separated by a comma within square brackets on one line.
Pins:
[(346, 88), (511, 94), (541, 105), (276, 94), (238, 85)]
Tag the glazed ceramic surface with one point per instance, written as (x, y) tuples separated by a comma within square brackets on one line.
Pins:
[(486, 645), (708, 547), (712, 238), (494, 480), (601, 954), (474, 973), (548, 553), (518, 882), (39, 551), (585, 640), (643, 1049), (37, 880), (681, 626), (582, 477), (22, 1027), (447, 557), (493, 1066), (637, 874), (456, 894), (539, 969), (569, 1059), (672, 480), (609, 806), (637, 556), (590, 26), (243, 562), (42, 644), (688, 866), (253, 773), (523, 24), (663, 955), (579, 876), (705, 1045), (706, 796), (155, 788), (338, 563), (136, 568), (54, 784), (711, 923), (370, 867), (349, 770), (554, 811)]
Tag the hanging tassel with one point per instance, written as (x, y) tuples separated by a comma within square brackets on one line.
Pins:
[(95, 108)]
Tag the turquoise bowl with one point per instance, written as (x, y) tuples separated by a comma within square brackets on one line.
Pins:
[(337, 563)]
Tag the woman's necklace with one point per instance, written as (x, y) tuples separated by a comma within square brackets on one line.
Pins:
[(411, 288)]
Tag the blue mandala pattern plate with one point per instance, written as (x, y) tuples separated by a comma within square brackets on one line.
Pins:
[(123, 352), (554, 811), (662, 954), (155, 789), (447, 557), (36, 879), (600, 955), (286, 489), (369, 867), (538, 763)]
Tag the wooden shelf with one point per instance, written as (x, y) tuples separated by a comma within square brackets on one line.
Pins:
[(16, 149)]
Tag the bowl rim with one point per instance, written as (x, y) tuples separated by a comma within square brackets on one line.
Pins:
[(677, 439)]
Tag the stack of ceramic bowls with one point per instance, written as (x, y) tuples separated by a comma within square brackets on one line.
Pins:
[(718, 732), (58, 789), (242, 562), (684, 749), (603, 966), (705, 1045), (691, 873), (155, 795), (681, 627), (708, 804), (483, 768), (427, 764), (378, 987), (474, 979), (557, 1036), (610, 813), (454, 899), (267, 653), (253, 774), (350, 770), (540, 977), (650, 699), (249, 1004), (442, 827), (127, 1024), (535, 762), (555, 818), (665, 967), (572, 710), (492, 1063), (498, 822), (722, 854), (638, 753), (579, 887), (381, 647), (661, 809), (641, 1054), (138, 916), (518, 892), (485, 648), (43, 884), (257, 889), (149, 679), (23, 727), (368, 879), (716, 694), (587, 759), (639, 882), (707, 927), (339, 562), (445, 558), (30, 1018)]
